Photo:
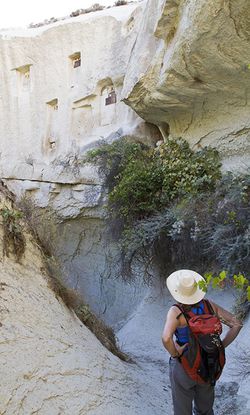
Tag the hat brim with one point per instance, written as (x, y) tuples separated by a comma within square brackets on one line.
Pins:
[(172, 285)]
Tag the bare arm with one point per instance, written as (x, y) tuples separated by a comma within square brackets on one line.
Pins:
[(167, 336), (230, 320)]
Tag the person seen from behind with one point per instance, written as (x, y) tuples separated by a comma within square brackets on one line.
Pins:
[(191, 335)]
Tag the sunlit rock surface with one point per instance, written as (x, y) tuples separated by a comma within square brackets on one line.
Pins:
[(141, 71), (50, 362), (192, 78)]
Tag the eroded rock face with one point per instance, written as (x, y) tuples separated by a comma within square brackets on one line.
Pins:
[(193, 74), (50, 362), (60, 93), (179, 65), (90, 263)]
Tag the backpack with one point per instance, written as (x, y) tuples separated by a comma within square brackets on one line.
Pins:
[(204, 359)]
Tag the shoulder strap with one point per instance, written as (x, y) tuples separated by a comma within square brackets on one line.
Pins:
[(187, 317), (208, 307)]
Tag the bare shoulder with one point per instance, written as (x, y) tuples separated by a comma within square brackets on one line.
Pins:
[(215, 306), (174, 311), (225, 316)]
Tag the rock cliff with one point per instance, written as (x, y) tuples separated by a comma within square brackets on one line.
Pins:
[(50, 362), (192, 78), (144, 71)]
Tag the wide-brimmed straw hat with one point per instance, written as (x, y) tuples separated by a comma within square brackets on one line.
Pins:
[(183, 286)]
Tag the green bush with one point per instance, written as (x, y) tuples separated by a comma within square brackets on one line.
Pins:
[(142, 180), (113, 158), (175, 209), (209, 231), (187, 172)]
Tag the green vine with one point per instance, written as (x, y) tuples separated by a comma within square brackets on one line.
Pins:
[(238, 281)]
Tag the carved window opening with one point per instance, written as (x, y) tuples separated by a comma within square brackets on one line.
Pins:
[(131, 23), (111, 99), (23, 78), (24, 70), (75, 59), (107, 110), (52, 124), (77, 62), (52, 143), (53, 104)]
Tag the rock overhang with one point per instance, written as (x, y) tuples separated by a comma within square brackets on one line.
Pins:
[(200, 54)]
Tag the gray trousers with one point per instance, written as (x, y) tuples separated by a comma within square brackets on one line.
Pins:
[(186, 392)]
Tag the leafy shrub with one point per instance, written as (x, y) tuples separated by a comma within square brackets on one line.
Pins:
[(176, 210), (135, 195), (173, 209), (142, 180), (185, 171), (113, 158), (95, 7), (208, 231), (162, 243), (223, 222)]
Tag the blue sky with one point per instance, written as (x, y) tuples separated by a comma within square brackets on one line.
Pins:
[(19, 13)]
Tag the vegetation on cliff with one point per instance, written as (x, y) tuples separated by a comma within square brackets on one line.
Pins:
[(172, 208), (94, 8)]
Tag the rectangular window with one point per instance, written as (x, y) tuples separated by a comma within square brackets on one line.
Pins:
[(75, 59), (111, 98)]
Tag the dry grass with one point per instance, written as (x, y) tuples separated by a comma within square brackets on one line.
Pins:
[(73, 300), (95, 7), (43, 225), (120, 3), (13, 237), (104, 333)]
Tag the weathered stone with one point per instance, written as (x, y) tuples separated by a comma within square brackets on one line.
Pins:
[(50, 362), (183, 68), (193, 73)]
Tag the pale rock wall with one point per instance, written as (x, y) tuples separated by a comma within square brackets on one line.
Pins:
[(49, 109), (193, 75), (181, 66), (51, 363), (51, 112), (90, 263)]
